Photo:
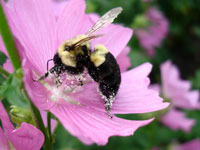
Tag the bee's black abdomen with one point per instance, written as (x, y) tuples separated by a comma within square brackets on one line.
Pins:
[(110, 84), (92, 70), (109, 67), (107, 75), (111, 76)]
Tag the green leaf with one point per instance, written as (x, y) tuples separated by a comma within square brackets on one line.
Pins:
[(138, 58), (1, 78), (12, 90), (9, 41), (196, 80), (2, 58)]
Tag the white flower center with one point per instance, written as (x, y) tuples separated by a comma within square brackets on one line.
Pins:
[(69, 84)]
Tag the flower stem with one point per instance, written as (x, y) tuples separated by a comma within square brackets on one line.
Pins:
[(49, 125), (39, 123), (9, 40), (56, 127), (4, 72)]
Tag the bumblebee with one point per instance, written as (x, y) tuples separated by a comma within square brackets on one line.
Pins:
[(74, 55), (103, 68)]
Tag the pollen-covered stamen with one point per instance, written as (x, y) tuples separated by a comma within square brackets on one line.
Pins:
[(69, 84)]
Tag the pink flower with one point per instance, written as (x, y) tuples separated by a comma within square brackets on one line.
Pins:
[(179, 93), (123, 59), (151, 37), (81, 113), (191, 145), (176, 119), (178, 89), (7, 65), (25, 137)]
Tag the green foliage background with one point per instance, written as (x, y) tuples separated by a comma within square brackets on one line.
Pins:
[(182, 46)]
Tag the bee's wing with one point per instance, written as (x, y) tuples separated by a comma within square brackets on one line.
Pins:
[(77, 44), (106, 19)]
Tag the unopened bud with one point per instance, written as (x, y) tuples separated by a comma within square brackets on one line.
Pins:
[(19, 73), (19, 115), (140, 21)]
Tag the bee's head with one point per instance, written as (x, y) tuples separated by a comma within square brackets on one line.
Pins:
[(68, 50)]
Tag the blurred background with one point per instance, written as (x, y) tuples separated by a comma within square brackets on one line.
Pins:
[(163, 30)]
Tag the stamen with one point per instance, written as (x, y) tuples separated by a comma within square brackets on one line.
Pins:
[(61, 92), (47, 86)]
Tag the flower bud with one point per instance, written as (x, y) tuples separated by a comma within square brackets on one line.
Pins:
[(140, 21), (19, 73), (19, 115)]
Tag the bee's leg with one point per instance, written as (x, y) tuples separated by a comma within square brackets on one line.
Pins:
[(108, 96), (46, 74), (42, 77), (57, 70), (58, 81), (48, 64), (80, 82), (108, 105)]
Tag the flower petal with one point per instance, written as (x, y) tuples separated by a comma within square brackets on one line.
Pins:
[(3, 141), (175, 120), (58, 6), (123, 59), (33, 23), (191, 145), (176, 89), (7, 125), (134, 96), (36, 91), (8, 66), (23, 138), (72, 21), (26, 137), (146, 41), (152, 37), (92, 126), (155, 87)]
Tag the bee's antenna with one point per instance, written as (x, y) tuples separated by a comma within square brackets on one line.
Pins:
[(42, 77)]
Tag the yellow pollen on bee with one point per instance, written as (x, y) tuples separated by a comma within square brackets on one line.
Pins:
[(98, 57)]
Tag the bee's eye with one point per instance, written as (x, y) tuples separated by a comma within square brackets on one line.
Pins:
[(67, 48)]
